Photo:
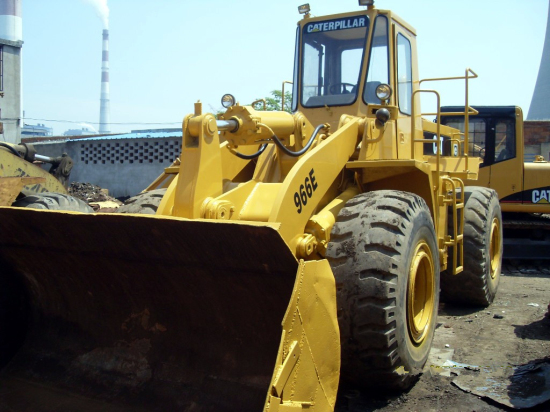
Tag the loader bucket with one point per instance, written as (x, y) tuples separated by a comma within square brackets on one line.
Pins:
[(132, 312)]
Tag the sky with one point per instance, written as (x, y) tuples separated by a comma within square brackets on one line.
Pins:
[(166, 54)]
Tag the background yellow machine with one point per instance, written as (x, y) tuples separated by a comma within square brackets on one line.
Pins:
[(331, 220), (25, 184), (497, 137)]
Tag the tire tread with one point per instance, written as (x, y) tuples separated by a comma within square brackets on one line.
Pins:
[(366, 266), (144, 203), (471, 286)]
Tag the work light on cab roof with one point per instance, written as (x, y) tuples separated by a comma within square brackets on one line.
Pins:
[(368, 3), (304, 9)]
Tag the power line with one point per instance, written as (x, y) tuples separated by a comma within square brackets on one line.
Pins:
[(72, 121)]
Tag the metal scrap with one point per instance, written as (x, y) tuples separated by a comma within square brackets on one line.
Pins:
[(517, 387)]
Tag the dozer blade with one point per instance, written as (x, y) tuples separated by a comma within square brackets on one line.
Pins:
[(139, 312)]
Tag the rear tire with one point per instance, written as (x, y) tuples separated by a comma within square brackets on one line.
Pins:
[(145, 203), (383, 252), (53, 201), (477, 285)]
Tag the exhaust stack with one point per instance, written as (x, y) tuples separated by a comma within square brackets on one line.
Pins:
[(105, 106)]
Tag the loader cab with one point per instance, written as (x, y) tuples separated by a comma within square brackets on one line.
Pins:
[(340, 61)]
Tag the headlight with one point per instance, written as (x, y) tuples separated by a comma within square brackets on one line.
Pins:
[(304, 9), (228, 100), (383, 92)]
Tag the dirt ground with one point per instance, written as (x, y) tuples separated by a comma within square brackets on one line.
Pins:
[(480, 350)]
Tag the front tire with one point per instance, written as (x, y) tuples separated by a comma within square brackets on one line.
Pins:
[(383, 252), (478, 283), (53, 201), (145, 203)]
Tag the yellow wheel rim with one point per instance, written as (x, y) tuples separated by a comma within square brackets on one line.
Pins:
[(494, 248), (421, 293)]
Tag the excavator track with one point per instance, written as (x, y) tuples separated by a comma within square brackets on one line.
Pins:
[(526, 236), (139, 312)]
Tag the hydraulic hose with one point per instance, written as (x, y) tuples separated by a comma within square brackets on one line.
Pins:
[(251, 156), (289, 152), (281, 145), (11, 149), (232, 125)]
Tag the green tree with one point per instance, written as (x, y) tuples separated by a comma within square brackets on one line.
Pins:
[(274, 102)]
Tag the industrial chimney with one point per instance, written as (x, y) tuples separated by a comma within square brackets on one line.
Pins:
[(105, 107), (11, 42), (539, 109)]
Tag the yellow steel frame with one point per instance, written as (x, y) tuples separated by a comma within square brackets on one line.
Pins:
[(449, 178), (17, 174)]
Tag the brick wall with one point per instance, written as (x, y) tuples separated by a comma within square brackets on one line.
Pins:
[(536, 132), (536, 139)]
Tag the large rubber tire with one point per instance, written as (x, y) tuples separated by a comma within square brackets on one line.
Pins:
[(383, 252), (53, 201), (477, 284), (145, 203)]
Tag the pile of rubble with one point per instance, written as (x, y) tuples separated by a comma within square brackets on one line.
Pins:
[(88, 192), (97, 197)]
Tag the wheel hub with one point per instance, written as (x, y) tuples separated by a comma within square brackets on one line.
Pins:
[(494, 248), (421, 293)]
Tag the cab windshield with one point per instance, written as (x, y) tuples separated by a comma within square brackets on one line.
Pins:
[(331, 64)]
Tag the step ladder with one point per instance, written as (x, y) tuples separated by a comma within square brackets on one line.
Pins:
[(453, 197)]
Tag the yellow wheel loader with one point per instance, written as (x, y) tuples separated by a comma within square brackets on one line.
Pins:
[(25, 184), (303, 251)]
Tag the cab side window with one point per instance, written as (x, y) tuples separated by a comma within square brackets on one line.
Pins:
[(476, 135), (477, 138), (505, 142), (378, 71), (404, 74)]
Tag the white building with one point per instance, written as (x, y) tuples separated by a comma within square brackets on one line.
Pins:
[(11, 41)]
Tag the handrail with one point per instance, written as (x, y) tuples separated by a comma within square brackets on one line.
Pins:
[(469, 74), (283, 94), (456, 241), (467, 112), (438, 133), (468, 70), (438, 125), (471, 111), (255, 102)]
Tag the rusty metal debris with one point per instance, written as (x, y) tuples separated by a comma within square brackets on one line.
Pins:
[(517, 387)]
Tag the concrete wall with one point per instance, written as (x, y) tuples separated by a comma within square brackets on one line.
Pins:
[(124, 166), (10, 94)]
